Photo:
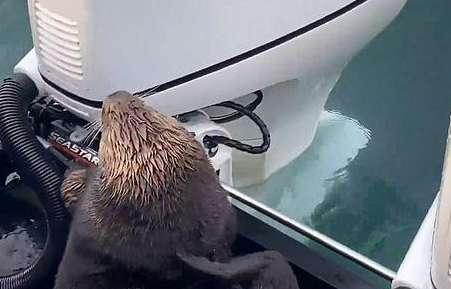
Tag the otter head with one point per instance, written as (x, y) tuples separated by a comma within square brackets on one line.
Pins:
[(143, 154)]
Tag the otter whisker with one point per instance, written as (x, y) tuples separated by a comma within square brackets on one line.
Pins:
[(149, 92), (92, 134), (95, 135), (89, 136), (92, 123), (91, 130)]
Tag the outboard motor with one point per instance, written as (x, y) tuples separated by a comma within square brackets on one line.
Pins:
[(191, 56)]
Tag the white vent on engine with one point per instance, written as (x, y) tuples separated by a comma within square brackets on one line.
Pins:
[(58, 42)]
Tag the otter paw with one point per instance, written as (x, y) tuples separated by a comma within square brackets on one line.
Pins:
[(276, 274), (73, 185)]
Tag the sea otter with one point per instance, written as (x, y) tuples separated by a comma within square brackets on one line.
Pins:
[(155, 205)]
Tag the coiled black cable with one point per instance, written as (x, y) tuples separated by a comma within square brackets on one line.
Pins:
[(236, 115), (213, 141), (38, 171)]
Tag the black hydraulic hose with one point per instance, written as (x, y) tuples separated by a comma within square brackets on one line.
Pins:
[(236, 115), (210, 141), (36, 168)]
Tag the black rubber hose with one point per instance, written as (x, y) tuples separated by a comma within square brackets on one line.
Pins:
[(237, 115), (36, 168)]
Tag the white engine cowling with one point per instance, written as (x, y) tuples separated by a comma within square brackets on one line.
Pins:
[(198, 53)]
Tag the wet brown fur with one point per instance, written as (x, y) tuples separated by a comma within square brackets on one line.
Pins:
[(153, 194), (163, 153), (73, 186)]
